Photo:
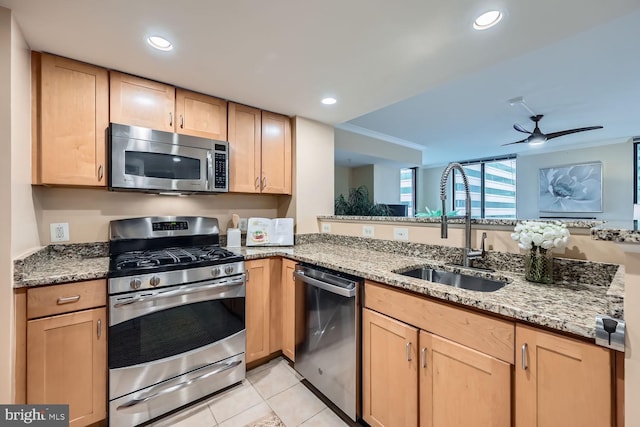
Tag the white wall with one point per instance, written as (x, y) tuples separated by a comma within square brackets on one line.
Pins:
[(386, 184), (342, 182), (363, 175), (16, 206), (314, 173), (617, 169)]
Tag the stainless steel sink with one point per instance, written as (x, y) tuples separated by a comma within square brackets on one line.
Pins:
[(459, 280)]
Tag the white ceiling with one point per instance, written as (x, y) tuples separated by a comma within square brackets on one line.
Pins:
[(576, 61)]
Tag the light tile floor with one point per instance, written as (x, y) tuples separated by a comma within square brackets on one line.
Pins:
[(273, 387)]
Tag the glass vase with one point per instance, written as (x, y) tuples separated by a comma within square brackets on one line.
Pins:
[(539, 265)]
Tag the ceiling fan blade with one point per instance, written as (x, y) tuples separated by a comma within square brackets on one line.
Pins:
[(519, 128), (517, 142), (570, 131)]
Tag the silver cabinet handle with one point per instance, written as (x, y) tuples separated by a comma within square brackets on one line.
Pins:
[(164, 389), (408, 351), (264, 182), (181, 121), (67, 300), (246, 275), (170, 119), (99, 331), (524, 356), (257, 182), (100, 172), (423, 357)]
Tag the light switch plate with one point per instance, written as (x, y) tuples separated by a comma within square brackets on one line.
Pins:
[(326, 227), (368, 231), (400, 233), (60, 232)]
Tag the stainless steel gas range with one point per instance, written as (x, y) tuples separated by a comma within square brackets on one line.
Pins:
[(176, 316)]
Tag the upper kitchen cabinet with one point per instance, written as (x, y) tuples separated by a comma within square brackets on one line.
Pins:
[(140, 102), (201, 115), (70, 117), (260, 151)]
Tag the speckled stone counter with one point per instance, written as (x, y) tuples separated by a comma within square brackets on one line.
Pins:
[(62, 264), (619, 232), (570, 305)]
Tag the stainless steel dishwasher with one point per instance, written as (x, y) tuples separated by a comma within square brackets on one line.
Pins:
[(329, 354)]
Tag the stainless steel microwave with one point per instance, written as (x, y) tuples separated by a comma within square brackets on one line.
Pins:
[(154, 161)]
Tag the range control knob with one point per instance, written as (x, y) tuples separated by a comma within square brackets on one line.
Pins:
[(135, 283), (228, 269), (154, 281), (215, 272)]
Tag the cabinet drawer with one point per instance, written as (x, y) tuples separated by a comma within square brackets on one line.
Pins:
[(57, 299), (478, 331)]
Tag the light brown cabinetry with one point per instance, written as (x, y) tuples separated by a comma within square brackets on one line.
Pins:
[(561, 381), (460, 386), (70, 116), (140, 102), (291, 302), (257, 309), (260, 151), (67, 351), (389, 371)]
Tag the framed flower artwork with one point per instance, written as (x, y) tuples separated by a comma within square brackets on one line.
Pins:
[(571, 188)]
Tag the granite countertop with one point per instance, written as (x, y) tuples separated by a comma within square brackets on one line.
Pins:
[(619, 232), (567, 307)]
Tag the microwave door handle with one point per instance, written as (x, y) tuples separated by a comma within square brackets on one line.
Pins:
[(209, 171)]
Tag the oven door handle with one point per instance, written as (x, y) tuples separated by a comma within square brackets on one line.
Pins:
[(178, 292), (164, 389)]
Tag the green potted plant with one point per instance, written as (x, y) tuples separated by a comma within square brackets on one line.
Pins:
[(359, 204)]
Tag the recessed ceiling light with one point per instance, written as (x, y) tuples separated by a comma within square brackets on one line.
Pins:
[(159, 43), (329, 101), (487, 20)]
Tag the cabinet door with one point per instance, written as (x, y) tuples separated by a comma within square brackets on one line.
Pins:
[(276, 154), (201, 115), (462, 387), (244, 148), (561, 381), (67, 363), (275, 304), (70, 139), (257, 309), (289, 309), (389, 371), (140, 102)]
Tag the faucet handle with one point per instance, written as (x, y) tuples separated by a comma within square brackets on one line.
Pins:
[(484, 237)]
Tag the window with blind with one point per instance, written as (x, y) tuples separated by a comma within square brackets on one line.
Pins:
[(492, 185)]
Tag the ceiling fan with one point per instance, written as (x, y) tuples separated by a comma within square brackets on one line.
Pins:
[(537, 137)]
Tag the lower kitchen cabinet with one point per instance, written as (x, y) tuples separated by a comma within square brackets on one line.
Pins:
[(460, 386), (389, 371), (67, 353), (561, 381), (257, 309)]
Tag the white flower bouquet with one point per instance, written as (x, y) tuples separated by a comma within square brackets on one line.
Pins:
[(539, 238), (546, 235)]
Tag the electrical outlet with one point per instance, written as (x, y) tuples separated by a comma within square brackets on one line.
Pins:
[(242, 224), (400, 233), (60, 232), (368, 231), (326, 227)]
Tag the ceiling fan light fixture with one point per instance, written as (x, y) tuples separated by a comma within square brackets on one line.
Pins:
[(537, 139), (159, 43), (487, 20)]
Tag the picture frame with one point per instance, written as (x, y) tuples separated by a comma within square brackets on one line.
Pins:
[(575, 188)]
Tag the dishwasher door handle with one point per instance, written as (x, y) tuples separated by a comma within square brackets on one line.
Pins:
[(339, 290)]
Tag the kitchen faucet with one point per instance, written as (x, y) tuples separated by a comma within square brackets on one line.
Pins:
[(468, 254)]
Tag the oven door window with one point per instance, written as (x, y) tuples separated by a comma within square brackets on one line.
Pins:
[(157, 165), (174, 331)]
